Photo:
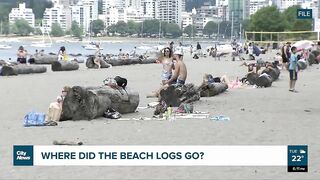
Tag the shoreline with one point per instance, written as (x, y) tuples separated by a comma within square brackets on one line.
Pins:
[(105, 38)]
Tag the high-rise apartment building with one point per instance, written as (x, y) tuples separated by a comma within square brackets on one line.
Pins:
[(169, 11), (53, 15), (22, 13), (238, 11)]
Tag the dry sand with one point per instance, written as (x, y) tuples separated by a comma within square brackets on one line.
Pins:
[(271, 116)]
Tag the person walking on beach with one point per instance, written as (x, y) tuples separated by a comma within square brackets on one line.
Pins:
[(285, 53), (293, 69), (199, 49), (22, 55)]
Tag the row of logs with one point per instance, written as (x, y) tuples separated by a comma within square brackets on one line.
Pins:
[(268, 75)]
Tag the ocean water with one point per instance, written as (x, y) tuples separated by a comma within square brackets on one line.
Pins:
[(76, 48)]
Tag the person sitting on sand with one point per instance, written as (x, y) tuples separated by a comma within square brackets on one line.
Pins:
[(167, 65), (62, 55), (22, 55), (55, 108), (98, 56), (180, 70)]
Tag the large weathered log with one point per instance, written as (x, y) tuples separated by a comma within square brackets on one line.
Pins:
[(252, 78), (273, 72), (90, 63), (213, 89), (174, 96), (121, 62), (148, 61), (64, 66), (264, 81), (83, 103), (45, 59), (22, 69), (302, 65)]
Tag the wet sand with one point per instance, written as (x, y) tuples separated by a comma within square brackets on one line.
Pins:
[(266, 116)]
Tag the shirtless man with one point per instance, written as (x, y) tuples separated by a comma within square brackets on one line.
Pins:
[(180, 72)]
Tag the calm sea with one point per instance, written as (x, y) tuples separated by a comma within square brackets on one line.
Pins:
[(76, 48)]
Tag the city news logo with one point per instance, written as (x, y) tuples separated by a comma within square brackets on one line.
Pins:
[(304, 13), (22, 155), (298, 158)]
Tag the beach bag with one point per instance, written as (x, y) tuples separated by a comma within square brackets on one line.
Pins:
[(122, 82), (34, 119)]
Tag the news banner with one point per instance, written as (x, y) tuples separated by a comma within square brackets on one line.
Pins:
[(295, 157)]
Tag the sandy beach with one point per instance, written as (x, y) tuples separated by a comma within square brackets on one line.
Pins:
[(259, 116)]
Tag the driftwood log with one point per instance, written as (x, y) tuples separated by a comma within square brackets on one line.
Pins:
[(264, 81), (174, 96), (90, 63), (121, 62), (64, 66), (273, 72), (22, 69), (302, 65), (85, 103), (213, 89), (148, 61), (312, 59), (45, 59)]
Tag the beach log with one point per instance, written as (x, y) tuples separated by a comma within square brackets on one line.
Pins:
[(174, 96), (22, 69), (86, 103), (64, 66), (213, 89), (90, 63), (264, 81), (252, 78), (121, 62), (302, 65), (45, 59), (273, 72), (148, 61)]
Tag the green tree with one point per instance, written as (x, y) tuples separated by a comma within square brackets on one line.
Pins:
[(151, 26), (5, 28), (188, 30), (21, 27), (38, 7), (121, 27), (268, 19), (133, 27), (173, 30), (225, 28), (294, 24), (76, 31), (112, 28), (97, 26), (210, 28), (56, 30)]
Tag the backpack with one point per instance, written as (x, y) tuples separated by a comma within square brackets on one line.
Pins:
[(122, 82)]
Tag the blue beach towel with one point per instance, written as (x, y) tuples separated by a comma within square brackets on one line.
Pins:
[(34, 119)]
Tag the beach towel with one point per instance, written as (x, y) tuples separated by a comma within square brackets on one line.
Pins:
[(34, 119)]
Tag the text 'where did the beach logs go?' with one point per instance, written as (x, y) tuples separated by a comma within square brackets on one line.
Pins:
[(150, 155)]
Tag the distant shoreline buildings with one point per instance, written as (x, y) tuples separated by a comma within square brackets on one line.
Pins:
[(84, 12)]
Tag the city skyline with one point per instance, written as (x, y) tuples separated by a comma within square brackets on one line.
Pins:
[(84, 12)]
